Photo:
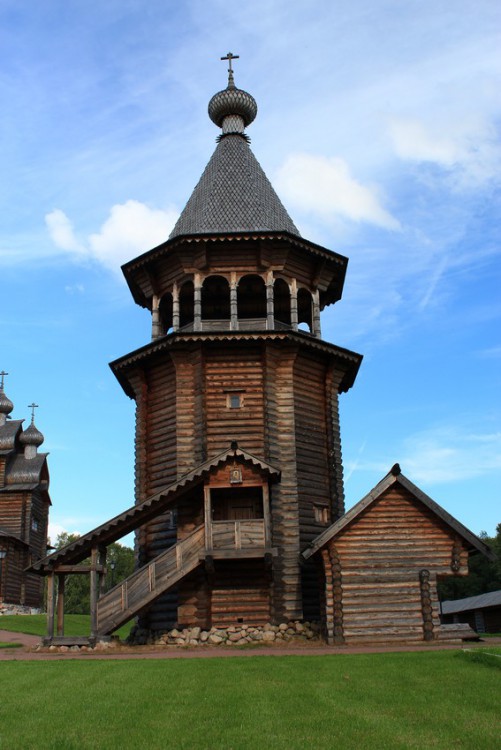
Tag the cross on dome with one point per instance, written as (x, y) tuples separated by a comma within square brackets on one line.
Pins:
[(230, 56), (2, 375), (32, 406)]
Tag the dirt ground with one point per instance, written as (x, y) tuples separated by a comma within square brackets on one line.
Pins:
[(29, 643)]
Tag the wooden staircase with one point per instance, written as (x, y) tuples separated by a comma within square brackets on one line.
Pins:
[(126, 599)]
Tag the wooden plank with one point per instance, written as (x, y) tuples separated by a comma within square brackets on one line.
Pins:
[(93, 592)]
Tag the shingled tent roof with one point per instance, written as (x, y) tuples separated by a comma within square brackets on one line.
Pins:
[(394, 477), (233, 195)]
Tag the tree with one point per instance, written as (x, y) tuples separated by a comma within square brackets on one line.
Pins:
[(484, 576), (119, 564)]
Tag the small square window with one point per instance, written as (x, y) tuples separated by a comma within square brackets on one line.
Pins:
[(321, 514), (35, 524), (234, 400)]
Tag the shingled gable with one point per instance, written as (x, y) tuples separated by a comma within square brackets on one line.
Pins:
[(394, 477), (140, 514)]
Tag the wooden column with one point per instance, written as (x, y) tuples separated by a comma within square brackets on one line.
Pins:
[(266, 516), (270, 305), (93, 592), (197, 303), (50, 605), (293, 305), (60, 603), (234, 303), (316, 315), (175, 307), (426, 606), (102, 570), (155, 318), (207, 518)]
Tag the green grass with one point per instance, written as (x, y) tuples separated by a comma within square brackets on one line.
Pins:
[(11, 645), (490, 656), (37, 625), (352, 702)]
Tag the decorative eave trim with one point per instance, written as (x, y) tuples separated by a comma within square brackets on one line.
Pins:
[(166, 343), (159, 250), (389, 480)]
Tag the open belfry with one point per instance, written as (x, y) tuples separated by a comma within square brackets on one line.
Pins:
[(239, 502)]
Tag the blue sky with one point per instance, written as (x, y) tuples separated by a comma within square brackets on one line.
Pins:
[(378, 125)]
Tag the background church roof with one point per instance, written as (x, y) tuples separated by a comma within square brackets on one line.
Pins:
[(233, 194)]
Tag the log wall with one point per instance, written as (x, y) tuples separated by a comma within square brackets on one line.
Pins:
[(288, 416), (234, 371), (381, 571), (240, 593)]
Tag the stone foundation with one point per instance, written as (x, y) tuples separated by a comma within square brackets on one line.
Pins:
[(233, 635), (17, 609)]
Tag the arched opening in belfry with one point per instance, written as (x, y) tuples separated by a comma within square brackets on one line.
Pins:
[(282, 301), (165, 310), (186, 304), (251, 297), (304, 310), (216, 298)]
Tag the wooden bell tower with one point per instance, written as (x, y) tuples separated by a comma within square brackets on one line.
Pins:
[(237, 364)]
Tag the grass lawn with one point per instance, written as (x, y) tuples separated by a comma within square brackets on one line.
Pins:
[(11, 645), (376, 701), (37, 625)]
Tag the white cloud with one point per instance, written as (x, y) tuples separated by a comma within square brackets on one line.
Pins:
[(325, 187), (132, 228), (58, 528), (451, 455), (62, 233), (467, 147), (493, 352), (439, 456), (74, 289)]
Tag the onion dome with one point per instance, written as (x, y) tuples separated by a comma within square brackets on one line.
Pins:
[(6, 404), (232, 109), (31, 436)]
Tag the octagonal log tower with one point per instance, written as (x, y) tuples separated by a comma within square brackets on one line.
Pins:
[(236, 356)]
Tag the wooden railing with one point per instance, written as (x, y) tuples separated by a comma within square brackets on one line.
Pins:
[(123, 601), (237, 535), (243, 324)]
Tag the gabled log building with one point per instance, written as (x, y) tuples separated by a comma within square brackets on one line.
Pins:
[(238, 449), (24, 508)]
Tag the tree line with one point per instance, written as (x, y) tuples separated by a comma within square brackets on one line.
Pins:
[(119, 565), (484, 576)]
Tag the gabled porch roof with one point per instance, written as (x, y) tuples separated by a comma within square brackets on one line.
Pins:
[(395, 477), (140, 514)]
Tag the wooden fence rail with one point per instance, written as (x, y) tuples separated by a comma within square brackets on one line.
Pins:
[(127, 598)]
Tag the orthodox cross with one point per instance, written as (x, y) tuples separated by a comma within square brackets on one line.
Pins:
[(230, 56), (2, 375), (32, 406)]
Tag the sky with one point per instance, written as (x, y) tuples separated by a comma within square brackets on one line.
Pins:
[(378, 125)]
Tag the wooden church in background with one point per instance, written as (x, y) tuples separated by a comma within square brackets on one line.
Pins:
[(24, 508), (239, 478)]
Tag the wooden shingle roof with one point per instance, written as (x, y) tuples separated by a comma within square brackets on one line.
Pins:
[(394, 477)]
